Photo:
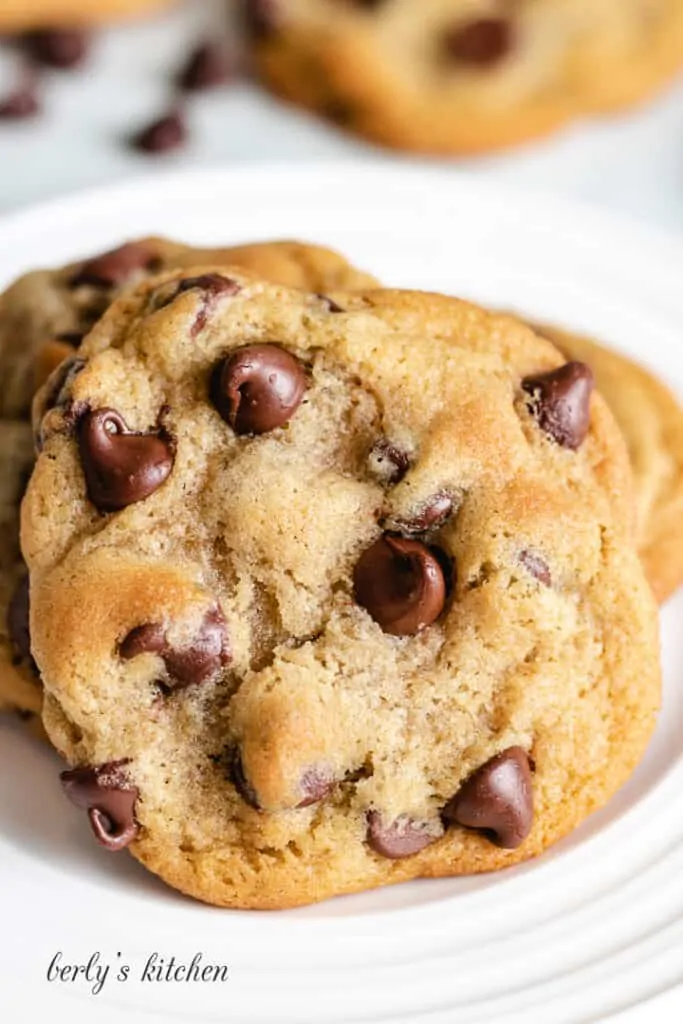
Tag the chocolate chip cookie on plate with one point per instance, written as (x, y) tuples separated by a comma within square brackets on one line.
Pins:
[(333, 592)]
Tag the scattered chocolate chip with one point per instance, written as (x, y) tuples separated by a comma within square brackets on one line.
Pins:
[(258, 388), (389, 461), (316, 784), (162, 135), (536, 566), (63, 48), (401, 583), (400, 838), (430, 516), (18, 620), (213, 287), (20, 104), (261, 18), (198, 661), (121, 467), (240, 781), (109, 798), (112, 269), (73, 338), (332, 306), (481, 42), (561, 402), (497, 799), (206, 67)]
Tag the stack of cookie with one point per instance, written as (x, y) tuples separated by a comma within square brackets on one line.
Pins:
[(331, 586)]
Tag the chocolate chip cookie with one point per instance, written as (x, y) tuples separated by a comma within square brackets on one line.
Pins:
[(651, 420), (332, 592), (43, 318), (461, 76)]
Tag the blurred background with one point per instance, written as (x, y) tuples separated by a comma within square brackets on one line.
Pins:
[(82, 107)]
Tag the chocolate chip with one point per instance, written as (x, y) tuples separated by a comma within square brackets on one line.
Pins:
[(430, 516), (121, 467), (109, 798), (213, 286), (162, 135), (389, 461), (206, 67), (58, 47), (20, 104), (258, 388), (400, 838), (561, 402), (497, 799), (316, 784), (18, 620), (401, 583), (332, 306), (536, 566), (73, 338), (240, 781), (112, 269), (261, 18), (481, 42), (55, 395), (196, 662)]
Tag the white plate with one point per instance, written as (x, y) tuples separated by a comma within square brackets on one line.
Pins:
[(592, 929)]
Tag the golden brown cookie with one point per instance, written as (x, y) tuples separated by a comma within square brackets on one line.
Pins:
[(651, 420), (17, 15), (462, 76), (332, 593), (43, 317)]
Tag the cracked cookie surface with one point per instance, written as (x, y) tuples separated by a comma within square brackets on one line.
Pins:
[(328, 595), (44, 316), (460, 76)]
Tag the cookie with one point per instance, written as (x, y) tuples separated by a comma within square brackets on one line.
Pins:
[(329, 594), (17, 15), (463, 76), (43, 317), (651, 420)]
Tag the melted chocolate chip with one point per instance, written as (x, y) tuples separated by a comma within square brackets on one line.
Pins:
[(316, 784), (121, 467), (206, 67), (561, 402), (198, 661), (18, 620), (213, 287), (258, 388), (240, 781), (401, 583), (482, 42), (109, 798), (162, 135), (536, 566), (112, 269), (389, 461), (430, 516), (497, 799), (400, 838), (58, 47)]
